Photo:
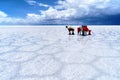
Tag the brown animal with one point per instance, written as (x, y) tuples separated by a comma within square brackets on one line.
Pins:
[(71, 30)]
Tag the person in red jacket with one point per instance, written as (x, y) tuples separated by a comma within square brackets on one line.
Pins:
[(85, 30), (79, 30)]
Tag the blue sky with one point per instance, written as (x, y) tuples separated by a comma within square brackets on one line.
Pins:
[(37, 12)]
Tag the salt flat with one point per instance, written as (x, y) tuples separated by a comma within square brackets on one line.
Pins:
[(49, 53)]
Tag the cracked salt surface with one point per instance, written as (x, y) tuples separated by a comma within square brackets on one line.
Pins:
[(30, 48), (109, 66), (42, 65), (107, 78), (43, 78), (6, 49), (7, 70), (48, 53), (74, 57), (78, 72), (17, 56)]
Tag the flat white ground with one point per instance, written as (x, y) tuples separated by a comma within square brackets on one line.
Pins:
[(49, 53)]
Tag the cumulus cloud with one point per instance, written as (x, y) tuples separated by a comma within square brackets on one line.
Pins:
[(53, 13), (67, 9), (2, 14), (29, 19), (90, 7)]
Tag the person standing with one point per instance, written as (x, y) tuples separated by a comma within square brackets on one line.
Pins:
[(79, 30)]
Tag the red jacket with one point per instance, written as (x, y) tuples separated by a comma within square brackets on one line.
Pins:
[(78, 29), (85, 28)]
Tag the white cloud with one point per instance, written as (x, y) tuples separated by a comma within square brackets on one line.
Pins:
[(29, 19), (2, 14), (44, 5), (52, 13), (31, 2), (11, 20), (33, 18), (91, 7)]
